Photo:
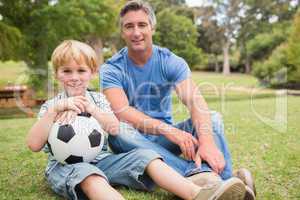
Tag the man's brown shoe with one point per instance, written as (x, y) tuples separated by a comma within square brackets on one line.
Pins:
[(246, 176), (205, 178), (231, 189)]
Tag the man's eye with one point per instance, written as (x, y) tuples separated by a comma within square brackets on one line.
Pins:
[(128, 27), (143, 25)]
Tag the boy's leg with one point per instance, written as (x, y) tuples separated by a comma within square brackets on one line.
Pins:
[(128, 169), (96, 187), (129, 138), (79, 181), (167, 178)]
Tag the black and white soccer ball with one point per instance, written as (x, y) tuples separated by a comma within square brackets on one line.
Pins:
[(80, 141)]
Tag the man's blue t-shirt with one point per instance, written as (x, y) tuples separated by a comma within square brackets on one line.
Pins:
[(148, 88)]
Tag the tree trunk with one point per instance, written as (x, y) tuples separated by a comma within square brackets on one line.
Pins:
[(38, 65), (247, 65), (97, 45), (217, 66), (226, 62)]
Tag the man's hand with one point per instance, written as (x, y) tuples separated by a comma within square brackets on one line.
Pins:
[(185, 141), (212, 155)]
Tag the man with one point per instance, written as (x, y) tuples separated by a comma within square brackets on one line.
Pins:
[(138, 82)]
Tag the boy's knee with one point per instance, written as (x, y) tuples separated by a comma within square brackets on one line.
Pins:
[(91, 182), (148, 154)]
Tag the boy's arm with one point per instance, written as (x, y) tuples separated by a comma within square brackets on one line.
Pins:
[(108, 121), (102, 112), (38, 134)]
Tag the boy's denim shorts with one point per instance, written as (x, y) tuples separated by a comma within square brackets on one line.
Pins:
[(127, 169)]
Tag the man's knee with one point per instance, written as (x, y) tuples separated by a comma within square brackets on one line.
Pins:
[(216, 116), (217, 122)]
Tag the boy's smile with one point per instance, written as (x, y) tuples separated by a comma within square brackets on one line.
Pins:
[(74, 77)]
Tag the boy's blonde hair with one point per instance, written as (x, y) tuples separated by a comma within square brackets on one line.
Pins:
[(80, 52)]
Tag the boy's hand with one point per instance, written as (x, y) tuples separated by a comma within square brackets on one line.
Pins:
[(89, 107), (77, 104), (66, 117)]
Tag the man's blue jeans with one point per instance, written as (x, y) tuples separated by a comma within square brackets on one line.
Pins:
[(130, 138)]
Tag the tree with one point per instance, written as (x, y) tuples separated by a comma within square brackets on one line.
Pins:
[(240, 21), (211, 35), (159, 5), (179, 35), (10, 38), (282, 67), (262, 45), (293, 50), (260, 17), (44, 23), (228, 13)]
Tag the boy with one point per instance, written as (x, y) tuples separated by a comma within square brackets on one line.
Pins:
[(74, 64)]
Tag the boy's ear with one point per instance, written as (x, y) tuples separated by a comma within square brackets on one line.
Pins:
[(95, 72), (55, 75)]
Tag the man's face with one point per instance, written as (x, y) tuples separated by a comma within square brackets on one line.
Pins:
[(137, 31)]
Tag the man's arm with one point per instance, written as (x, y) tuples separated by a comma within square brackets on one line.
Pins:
[(189, 94), (124, 112)]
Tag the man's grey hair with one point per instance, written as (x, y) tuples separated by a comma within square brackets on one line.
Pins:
[(136, 5)]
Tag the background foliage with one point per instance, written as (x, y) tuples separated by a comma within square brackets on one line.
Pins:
[(219, 35)]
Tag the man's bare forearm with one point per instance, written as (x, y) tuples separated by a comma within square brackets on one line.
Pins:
[(144, 122), (201, 119)]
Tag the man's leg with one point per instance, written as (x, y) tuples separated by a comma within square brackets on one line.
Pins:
[(219, 137), (129, 138)]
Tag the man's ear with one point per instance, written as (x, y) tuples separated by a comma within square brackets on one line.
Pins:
[(153, 30), (122, 36)]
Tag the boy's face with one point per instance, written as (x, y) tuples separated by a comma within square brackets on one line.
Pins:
[(74, 78)]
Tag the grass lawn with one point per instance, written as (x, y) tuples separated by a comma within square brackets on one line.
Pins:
[(12, 73), (218, 80), (258, 143)]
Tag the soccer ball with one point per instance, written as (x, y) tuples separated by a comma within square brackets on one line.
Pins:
[(80, 141)]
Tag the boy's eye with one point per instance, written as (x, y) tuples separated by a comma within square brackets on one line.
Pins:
[(82, 70), (66, 71)]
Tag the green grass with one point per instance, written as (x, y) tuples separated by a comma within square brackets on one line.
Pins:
[(270, 153), (12, 73), (212, 80)]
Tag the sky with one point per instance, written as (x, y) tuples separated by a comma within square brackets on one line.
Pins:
[(193, 2)]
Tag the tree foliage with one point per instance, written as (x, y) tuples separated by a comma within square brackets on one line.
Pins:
[(179, 35), (293, 51), (10, 38), (282, 67), (262, 45), (159, 5), (43, 24)]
